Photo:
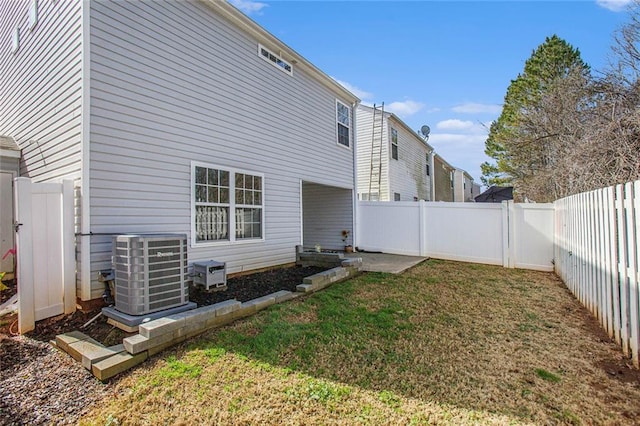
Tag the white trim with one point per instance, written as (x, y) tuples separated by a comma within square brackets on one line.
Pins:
[(275, 63), (232, 206), (349, 127), (301, 215), (9, 153), (33, 14), (15, 40), (85, 136)]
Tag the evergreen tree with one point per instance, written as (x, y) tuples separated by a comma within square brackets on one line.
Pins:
[(518, 153)]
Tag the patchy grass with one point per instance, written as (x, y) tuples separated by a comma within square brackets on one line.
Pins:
[(444, 343)]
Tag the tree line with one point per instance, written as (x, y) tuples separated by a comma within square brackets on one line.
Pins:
[(566, 129)]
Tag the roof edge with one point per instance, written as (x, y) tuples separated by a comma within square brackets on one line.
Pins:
[(242, 21)]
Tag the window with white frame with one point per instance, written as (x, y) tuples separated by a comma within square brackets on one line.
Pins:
[(396, 196), (227, 204), (394, 143), (343, 119), (427, 164), (274, 59)]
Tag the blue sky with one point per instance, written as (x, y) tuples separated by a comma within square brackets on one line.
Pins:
[(446, 64)]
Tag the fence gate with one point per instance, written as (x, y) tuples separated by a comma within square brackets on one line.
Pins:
[(45, 250)]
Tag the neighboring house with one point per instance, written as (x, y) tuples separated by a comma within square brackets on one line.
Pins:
[(9, 168), (391, 148), (476, 189), (463, 187), (177, 117), (444, 178)]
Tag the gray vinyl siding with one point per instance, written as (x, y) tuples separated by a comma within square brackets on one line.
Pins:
[(408, 174), (364, 124), (41, 87), (327, 212), (173, 82)]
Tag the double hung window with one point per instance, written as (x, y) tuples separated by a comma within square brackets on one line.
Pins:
[(343, 119), (227, 204)]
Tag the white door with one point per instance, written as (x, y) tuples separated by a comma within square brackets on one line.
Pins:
[(7, 236)]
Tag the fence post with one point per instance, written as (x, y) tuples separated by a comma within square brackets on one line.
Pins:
[(632, 192), (24, 255), (422, 226), (505, 233), (622, 269), (68, 247)]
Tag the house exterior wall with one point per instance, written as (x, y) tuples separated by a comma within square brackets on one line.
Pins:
[(177, 82), (468, 189), (476, 189), (41, 87), (408, 174), (364, 125), (463, 187), (442, 177), (327, 211)]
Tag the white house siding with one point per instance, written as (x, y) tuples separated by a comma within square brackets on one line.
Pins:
[(327, 211), (408, 174), (40, 87), (364, 124), (463, 184), (173, 82)]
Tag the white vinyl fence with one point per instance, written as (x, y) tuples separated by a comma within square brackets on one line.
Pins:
[(597, 256), (508, 234), (45, 250)]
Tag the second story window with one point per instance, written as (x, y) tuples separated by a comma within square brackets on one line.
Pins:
[(428, 168), (394, 144), (343, 119), (274, 59)]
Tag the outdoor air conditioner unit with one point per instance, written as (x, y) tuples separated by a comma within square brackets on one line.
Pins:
[(150, 272)]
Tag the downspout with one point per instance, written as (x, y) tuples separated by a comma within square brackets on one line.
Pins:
[(432, 176), (85, 211), (354, 193)]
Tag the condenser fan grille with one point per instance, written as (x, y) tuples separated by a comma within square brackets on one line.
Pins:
[(150, 272)]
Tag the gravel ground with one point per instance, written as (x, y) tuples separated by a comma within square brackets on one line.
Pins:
[(45, 386), (40, 385)]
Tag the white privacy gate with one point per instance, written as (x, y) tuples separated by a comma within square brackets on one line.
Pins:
[(45, 250)]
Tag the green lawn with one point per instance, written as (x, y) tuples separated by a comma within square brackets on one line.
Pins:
[(444, 343)]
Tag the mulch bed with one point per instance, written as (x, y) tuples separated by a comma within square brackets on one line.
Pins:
[(241, 288)]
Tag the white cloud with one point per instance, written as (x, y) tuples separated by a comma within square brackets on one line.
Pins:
[(362, 94), (475, 108), (248, 6), (454, 124), (456, 140), (404, 108), (614, 5)]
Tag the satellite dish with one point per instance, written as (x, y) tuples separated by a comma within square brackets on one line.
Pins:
[(425, 130)]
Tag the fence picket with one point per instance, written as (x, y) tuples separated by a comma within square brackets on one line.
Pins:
[(622, 269), (597, 257), (609, 257), (632, 275)]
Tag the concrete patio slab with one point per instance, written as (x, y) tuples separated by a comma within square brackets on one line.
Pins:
[(384, 262)]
